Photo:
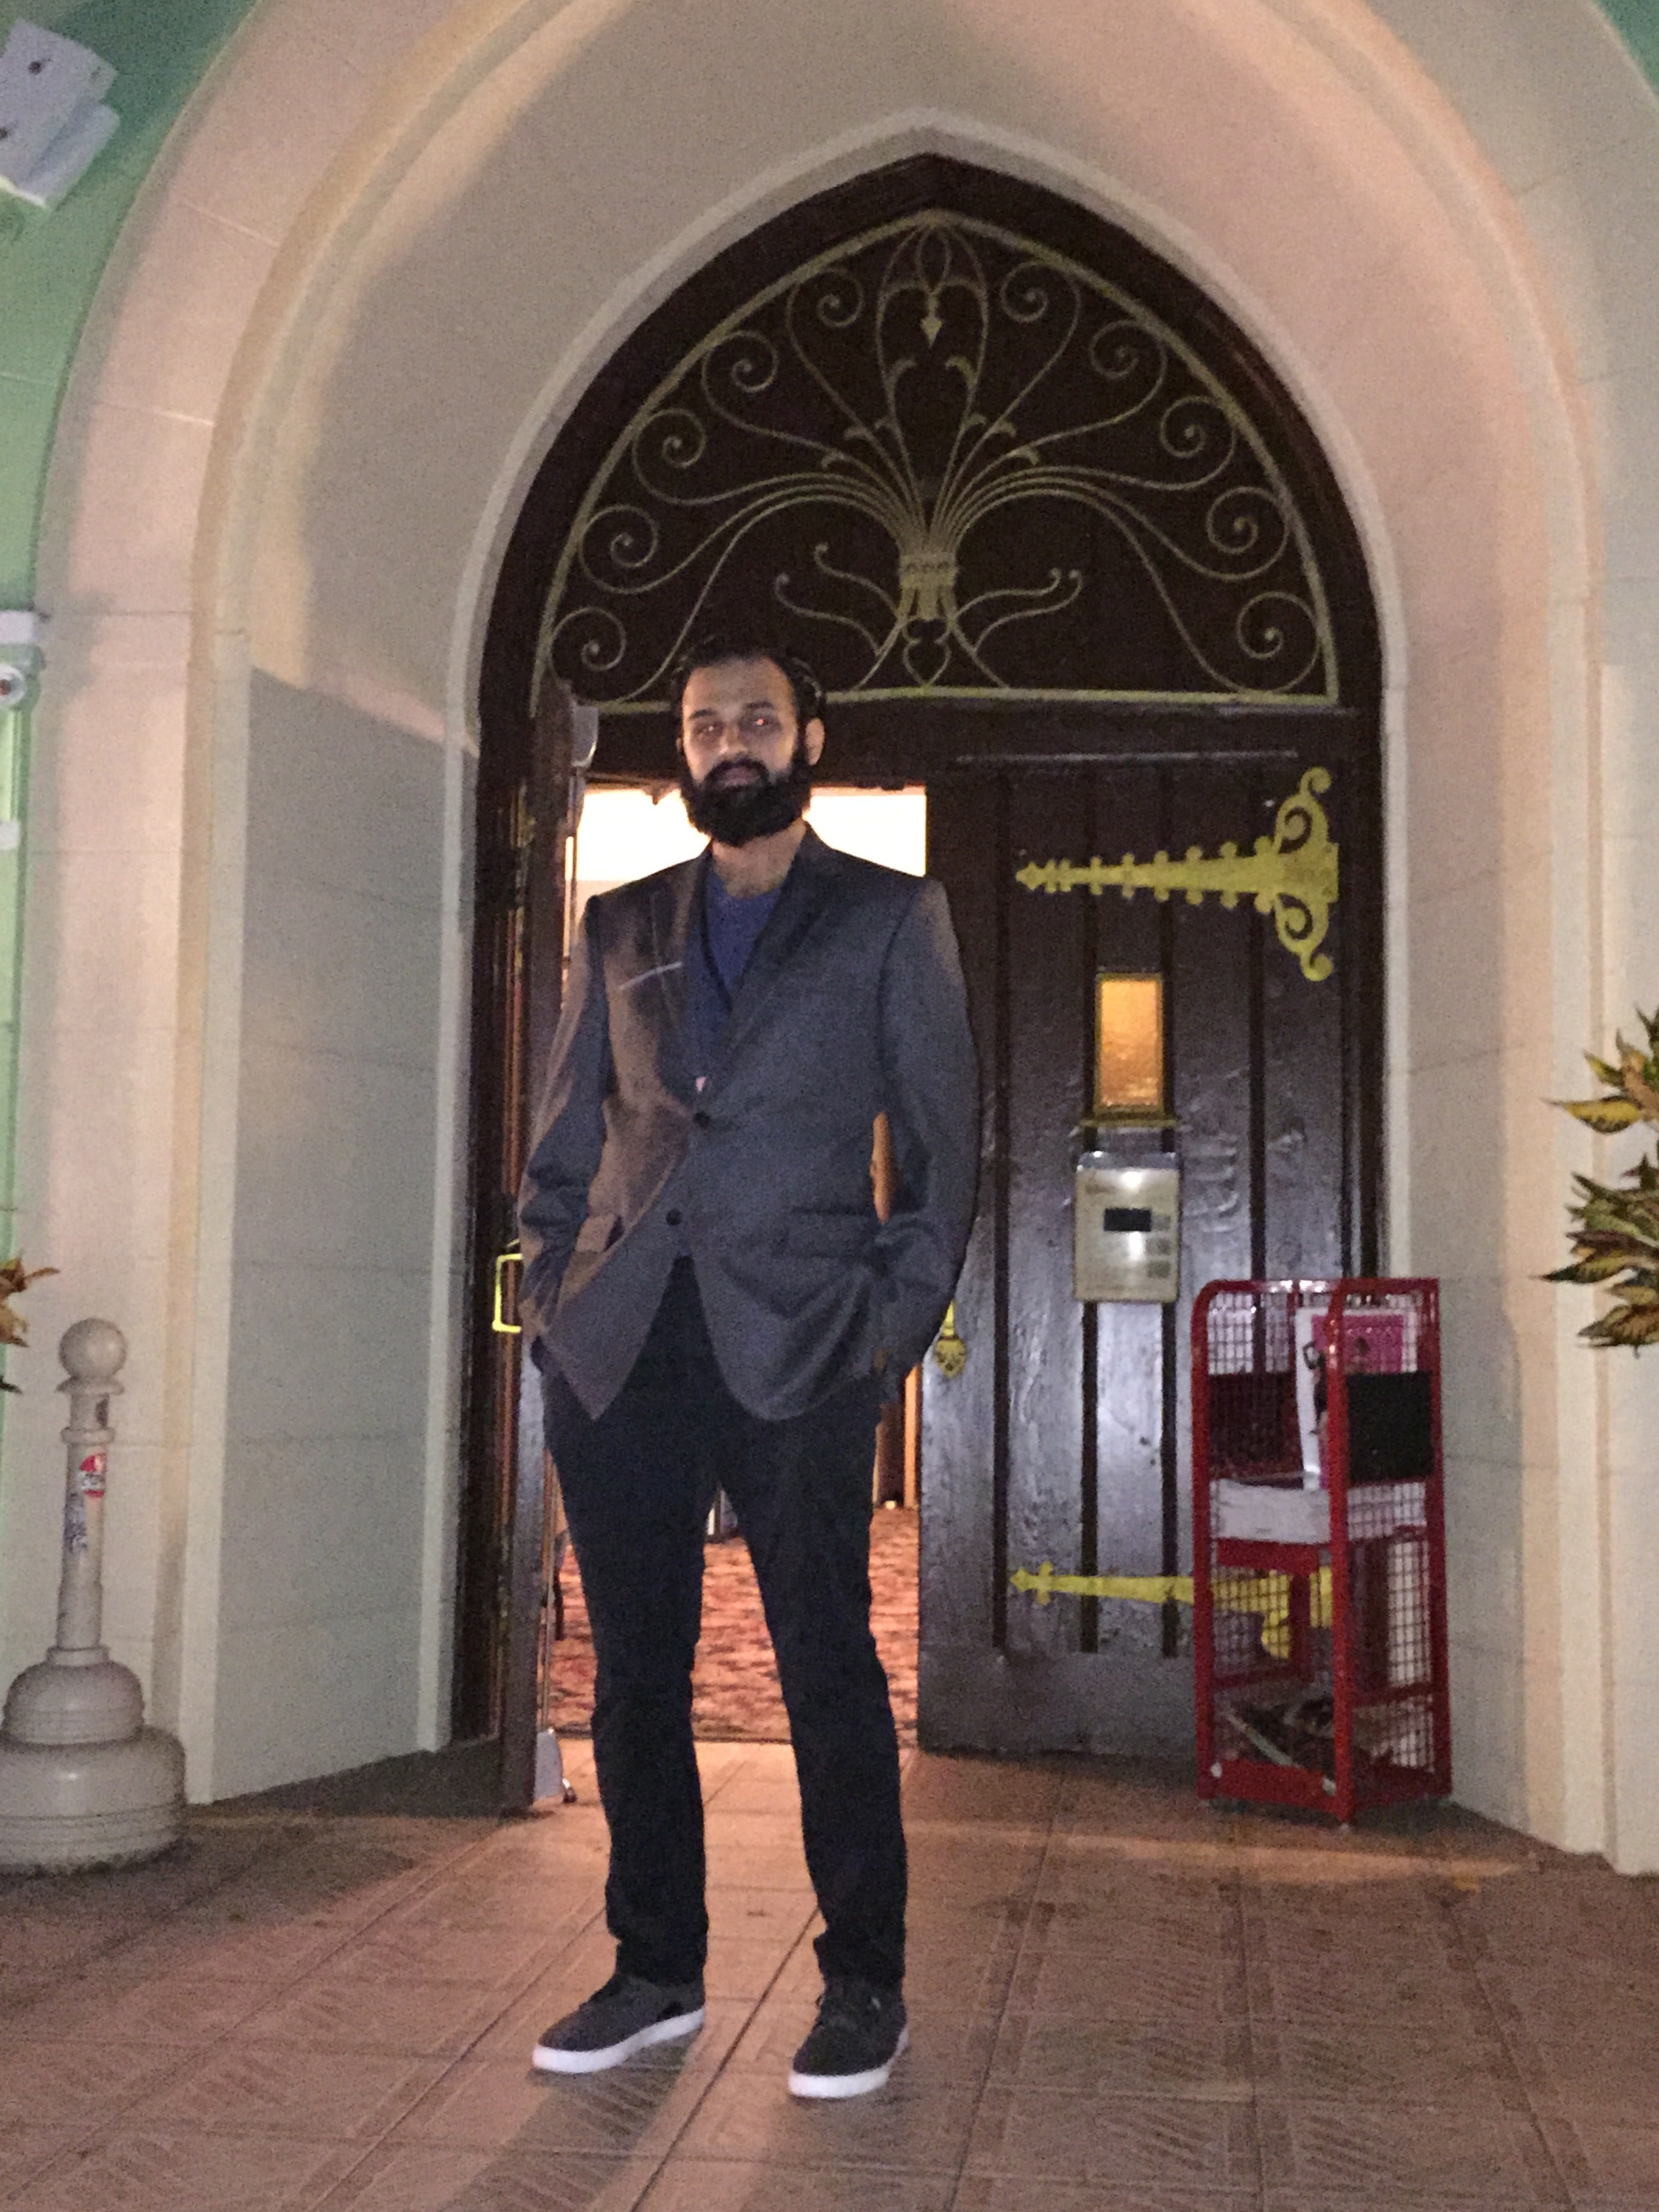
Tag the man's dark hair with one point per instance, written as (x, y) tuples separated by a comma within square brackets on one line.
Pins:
[(718, 647)]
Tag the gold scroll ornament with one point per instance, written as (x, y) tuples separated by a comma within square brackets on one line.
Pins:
[(1291, 875)]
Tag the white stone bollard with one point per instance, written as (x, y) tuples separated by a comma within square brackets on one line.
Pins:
[(82, 1781)]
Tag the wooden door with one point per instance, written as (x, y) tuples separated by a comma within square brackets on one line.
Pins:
[(523, 808), (1063, 1440), (1061, 547)]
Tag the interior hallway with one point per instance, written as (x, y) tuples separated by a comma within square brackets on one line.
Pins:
[(734, 1688), (1120, 2001)]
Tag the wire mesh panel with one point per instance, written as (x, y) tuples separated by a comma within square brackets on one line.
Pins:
[(1319, 1608)]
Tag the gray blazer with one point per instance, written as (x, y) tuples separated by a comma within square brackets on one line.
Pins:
[(852, 1004)]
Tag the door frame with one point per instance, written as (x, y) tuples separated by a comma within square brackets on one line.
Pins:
[(895, 741)]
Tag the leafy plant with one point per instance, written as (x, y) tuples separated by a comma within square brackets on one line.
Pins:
[(14, 1329), (1616, 1226)]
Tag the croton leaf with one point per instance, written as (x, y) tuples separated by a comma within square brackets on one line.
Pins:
[(1635, 1326), (1592, 1267), (14, 1278), (1606, 1116), (1615, 1227)]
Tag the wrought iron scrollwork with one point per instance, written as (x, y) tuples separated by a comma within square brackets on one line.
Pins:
[(955, 462)]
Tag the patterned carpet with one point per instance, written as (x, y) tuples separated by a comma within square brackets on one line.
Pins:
[(736, 1685)]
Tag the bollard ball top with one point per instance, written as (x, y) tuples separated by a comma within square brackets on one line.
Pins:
[(93, 1351)]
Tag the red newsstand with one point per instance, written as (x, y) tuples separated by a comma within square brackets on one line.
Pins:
[(1319, 1552)]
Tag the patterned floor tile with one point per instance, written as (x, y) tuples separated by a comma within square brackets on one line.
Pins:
[(916, 2124), (735, 1910), (1134, 1982), (1383, 2154), (231, 1943), (118, 2009), (543, 1905), (35, 1943), (744, 1968), (163, 2171), (26, 2150), (1192, 2143), (20, 1992), (422, 2020), (1595, 2074), (405, 1950), (1375, 2062), (559, 2182), (270, 2087), (1122, 2058), (406, 2178), (1186, 2012), (634, 2110), (726, 2185), (1400, 2199), (79, 2083), (758, 1866), (1005, 2193), (1600, 2157)]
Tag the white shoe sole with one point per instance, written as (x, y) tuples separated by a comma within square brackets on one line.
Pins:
[(847, 2085), (546, 2060)]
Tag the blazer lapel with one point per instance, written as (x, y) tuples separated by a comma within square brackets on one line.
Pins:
[(674, 906)]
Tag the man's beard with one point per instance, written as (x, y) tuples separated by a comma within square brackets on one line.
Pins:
[(736, 813)]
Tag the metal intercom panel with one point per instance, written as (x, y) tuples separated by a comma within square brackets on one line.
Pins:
[(1127, 1233)]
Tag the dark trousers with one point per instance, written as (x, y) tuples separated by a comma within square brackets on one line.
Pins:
[(638, 1484)]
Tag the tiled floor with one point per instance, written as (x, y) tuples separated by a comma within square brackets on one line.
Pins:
[(1121, 2002)]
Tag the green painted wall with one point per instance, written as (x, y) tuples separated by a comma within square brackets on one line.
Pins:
[(1637, 22), (50, 266)]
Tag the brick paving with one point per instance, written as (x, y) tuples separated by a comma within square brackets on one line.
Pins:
[(1123, 2002)]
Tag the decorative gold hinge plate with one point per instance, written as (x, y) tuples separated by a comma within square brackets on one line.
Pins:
[(1234, 1591), (1293, 875), (949, 1352)]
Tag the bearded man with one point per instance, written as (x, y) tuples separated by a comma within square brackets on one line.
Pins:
[(714, 1302)]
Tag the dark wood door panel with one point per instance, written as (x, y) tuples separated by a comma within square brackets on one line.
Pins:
[(1067, 1439), (963, 1592), (1047, 964)]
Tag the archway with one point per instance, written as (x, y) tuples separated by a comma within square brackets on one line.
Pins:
[(313, 487), (1068, 556)]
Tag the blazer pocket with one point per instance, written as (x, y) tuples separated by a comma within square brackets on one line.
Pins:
[(597, 1233), (831, 1235)]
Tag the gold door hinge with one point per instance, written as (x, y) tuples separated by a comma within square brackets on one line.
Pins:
[(949, 1352), (1293, 875)]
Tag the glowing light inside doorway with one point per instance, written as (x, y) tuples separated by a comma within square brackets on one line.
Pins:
[(625, 835)]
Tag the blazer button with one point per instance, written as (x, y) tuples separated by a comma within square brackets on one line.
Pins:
[(701, 1119), (673, 1217)]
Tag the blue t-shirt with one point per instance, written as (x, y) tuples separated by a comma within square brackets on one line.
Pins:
[(720, 951)]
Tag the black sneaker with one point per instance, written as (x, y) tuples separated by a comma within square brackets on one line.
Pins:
[(859, 2031), (625, 2016)]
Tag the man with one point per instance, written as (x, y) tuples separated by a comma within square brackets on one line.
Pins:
[(712, 1301)]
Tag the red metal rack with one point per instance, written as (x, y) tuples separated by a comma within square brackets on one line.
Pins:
[(1319, 1614)]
